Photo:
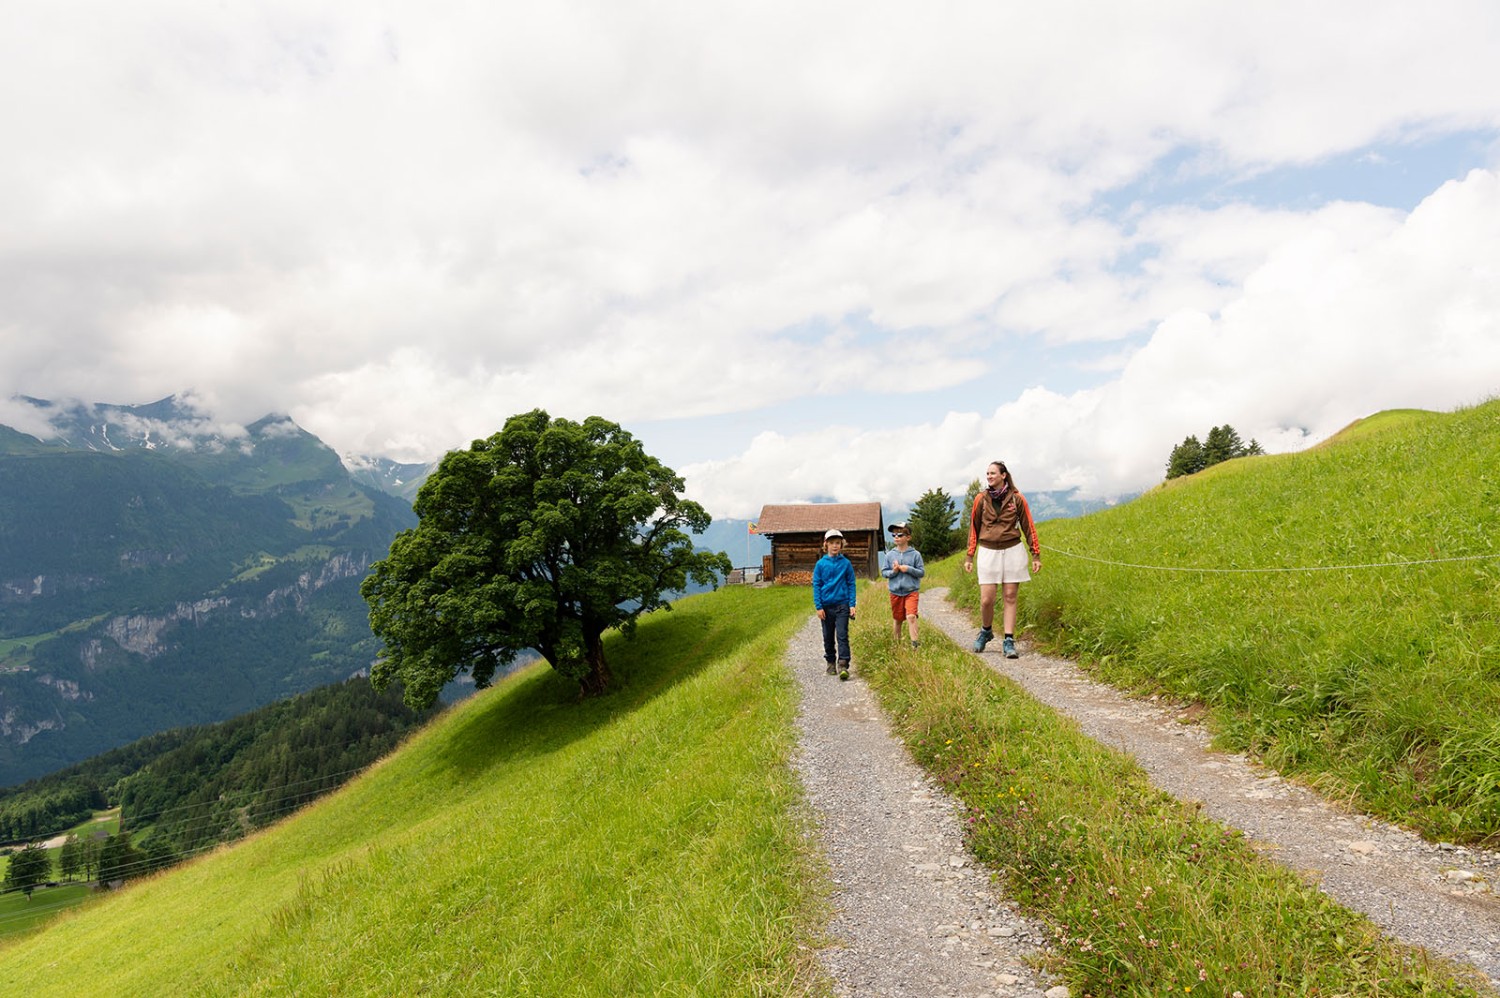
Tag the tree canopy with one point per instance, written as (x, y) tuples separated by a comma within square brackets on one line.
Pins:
[(1222, 444), (543, 536), (932, 522), (29, 866)]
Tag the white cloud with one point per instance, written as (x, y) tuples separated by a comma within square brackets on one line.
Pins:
[(401, 223), (1354, 310)]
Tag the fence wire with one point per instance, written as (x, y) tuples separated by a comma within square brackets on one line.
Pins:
[(1274, 570)]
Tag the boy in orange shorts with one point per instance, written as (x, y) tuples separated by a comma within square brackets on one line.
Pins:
[(903, 569)]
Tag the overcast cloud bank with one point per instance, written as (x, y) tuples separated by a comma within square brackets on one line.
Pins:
[(875, 245)]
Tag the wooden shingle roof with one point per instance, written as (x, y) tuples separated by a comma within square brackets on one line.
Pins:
[(816, 517)]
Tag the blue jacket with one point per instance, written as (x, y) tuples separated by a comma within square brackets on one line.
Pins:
[(833, 581), (908, 581)]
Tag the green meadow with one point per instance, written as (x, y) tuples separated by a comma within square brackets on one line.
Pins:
[(1335, 612), (655, 841), (646, 843)]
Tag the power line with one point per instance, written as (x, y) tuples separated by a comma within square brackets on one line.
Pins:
[(242, 797), (266, 810), (147, 864)]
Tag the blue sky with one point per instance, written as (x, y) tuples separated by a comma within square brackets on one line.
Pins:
[(849, 250)]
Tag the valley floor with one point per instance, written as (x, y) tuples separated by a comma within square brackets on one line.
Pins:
[(892, 841)]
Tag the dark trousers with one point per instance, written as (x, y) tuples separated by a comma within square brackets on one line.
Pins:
[(835, 628)]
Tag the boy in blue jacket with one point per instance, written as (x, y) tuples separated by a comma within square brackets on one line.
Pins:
[(834, 597)]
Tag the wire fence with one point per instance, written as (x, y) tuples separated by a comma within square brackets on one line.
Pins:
[(1270, 570)]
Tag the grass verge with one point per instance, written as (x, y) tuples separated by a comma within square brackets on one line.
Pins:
[(1144, 895)]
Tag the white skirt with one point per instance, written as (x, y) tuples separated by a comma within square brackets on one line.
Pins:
[(996, 567)]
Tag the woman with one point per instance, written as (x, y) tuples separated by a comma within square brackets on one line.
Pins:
[(998, 523)]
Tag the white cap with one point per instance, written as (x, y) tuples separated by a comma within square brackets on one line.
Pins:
[(834, 533)]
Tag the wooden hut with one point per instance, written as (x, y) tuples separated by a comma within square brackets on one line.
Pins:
[(796, 532)]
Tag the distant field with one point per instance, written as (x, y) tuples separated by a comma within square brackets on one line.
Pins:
[(19, 916), (16, 652)]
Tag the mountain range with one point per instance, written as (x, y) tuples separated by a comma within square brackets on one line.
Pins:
[(158, 569)]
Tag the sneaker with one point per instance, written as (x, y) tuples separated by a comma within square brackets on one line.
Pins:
[(915, 645), (831, 669), (1010, 648), (985, 637), (843, 670)]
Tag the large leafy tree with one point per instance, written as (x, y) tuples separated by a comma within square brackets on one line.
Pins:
[(932, 522), (543, 536)]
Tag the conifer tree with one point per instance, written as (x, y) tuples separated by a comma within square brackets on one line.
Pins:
[(932, 522), (1186, 458), (1223, 443)]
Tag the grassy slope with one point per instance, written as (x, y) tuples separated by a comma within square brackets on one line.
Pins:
[(1144, 895), (1378, 683), (645, 843)]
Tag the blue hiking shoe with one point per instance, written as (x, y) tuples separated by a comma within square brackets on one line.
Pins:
[(1010, 648), (985, 637)]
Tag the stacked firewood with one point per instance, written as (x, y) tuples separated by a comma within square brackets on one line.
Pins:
[(794, 579)]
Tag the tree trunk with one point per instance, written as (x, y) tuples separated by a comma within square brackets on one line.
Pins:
[(597, 680)]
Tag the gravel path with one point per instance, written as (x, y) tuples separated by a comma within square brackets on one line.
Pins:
[(917, 915)]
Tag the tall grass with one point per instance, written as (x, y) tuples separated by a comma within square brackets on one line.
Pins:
[(651, 842), (1378, 682), (1145, 896)]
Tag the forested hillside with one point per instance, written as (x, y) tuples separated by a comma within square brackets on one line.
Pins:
[(185, 789), (155, 573)]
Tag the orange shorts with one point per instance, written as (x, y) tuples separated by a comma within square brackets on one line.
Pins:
[(903, 605)]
